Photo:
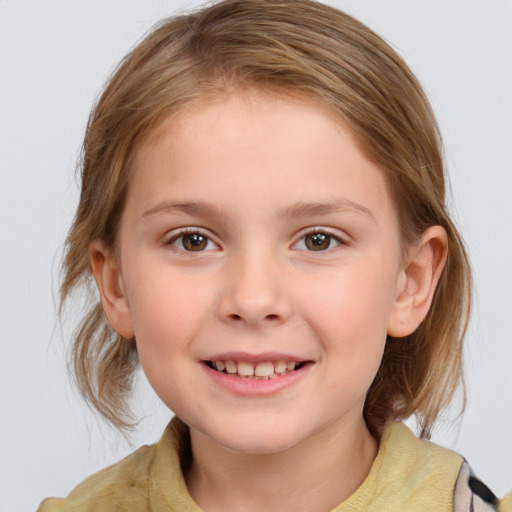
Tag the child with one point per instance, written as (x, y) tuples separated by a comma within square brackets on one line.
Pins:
[(262, 210)]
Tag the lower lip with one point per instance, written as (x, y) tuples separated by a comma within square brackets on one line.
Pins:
[(248, 387)]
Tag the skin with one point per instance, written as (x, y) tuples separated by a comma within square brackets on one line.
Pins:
[(264, 165)]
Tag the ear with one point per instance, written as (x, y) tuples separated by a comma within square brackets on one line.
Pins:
[(109, 280), (417, 282)]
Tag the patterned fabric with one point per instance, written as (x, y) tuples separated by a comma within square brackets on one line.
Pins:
[(472, 495)]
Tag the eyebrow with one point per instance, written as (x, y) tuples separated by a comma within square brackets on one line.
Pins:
[(191, 208), (299, 209), (302, 209)]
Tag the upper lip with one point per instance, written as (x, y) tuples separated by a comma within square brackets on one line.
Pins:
[(254, 358)]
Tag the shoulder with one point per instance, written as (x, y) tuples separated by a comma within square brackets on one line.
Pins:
[(438, 471), (126, 481), (151, 478), (414, 474), (420, 456)]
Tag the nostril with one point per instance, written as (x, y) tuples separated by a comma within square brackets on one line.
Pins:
[(237, 317)]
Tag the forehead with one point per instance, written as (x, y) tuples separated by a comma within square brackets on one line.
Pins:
[(242, 102), (253, 144)]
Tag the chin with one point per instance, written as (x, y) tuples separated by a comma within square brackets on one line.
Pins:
[(256, 439), (257, 446)]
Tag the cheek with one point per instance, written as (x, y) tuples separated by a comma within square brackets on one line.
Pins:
[(348, 312), (167, 310), (166, 317), (356, 301)]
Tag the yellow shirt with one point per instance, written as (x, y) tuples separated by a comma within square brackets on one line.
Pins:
[(408, 474)]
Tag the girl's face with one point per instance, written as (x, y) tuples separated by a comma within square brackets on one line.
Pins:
[(258, 237)]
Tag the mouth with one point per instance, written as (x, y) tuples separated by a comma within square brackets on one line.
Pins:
[(264, 370)]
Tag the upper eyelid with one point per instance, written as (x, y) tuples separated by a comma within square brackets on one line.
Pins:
[(174, 234), (335, 233), (177, 232)]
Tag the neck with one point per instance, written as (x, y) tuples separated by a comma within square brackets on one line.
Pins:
[(323, 470)]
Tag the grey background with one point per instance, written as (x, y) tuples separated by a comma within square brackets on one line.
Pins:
[(54, 57)]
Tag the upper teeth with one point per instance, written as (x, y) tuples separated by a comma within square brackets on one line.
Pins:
[(266, 369)]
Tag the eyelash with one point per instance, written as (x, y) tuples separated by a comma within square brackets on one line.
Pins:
[(310, 231)]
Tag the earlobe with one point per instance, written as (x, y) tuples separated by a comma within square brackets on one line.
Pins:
[(109, 281), (418, 281)]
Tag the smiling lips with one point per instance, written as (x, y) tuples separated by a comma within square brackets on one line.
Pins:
[(263, 370)]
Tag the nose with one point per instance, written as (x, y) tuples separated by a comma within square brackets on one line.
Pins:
[(254, 292)]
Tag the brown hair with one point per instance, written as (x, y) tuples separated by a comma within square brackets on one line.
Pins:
[(294, 47)]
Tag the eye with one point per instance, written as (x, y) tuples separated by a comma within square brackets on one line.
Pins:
[(318, 241), (193, 241)]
